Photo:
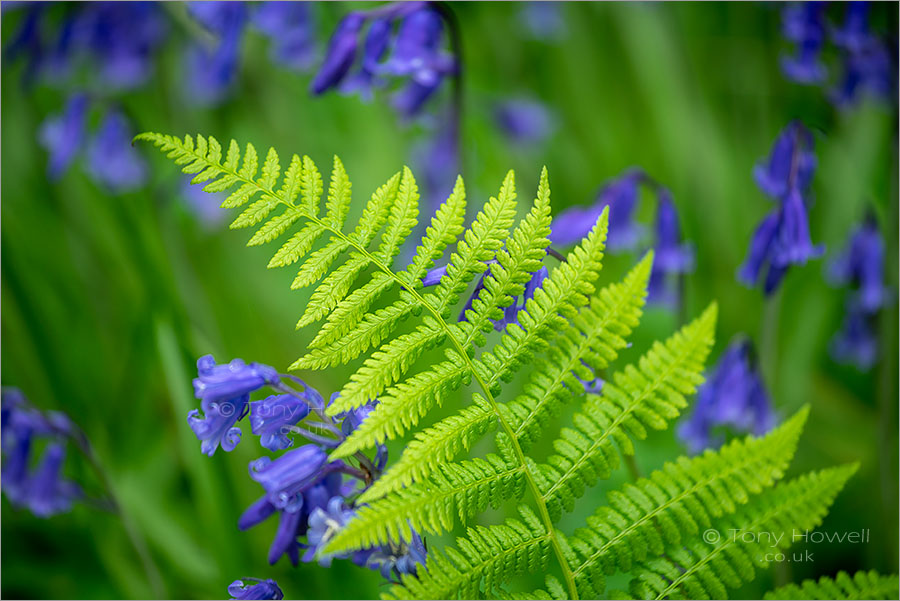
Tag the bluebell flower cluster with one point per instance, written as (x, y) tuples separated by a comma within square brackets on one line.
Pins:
[(240, 590), (782, 239), (312, 496), (413, 55), (868, 62), (860, 266), (42, 489), (733, 398)]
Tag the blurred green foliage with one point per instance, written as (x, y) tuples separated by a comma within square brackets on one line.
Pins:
[(108, 301)]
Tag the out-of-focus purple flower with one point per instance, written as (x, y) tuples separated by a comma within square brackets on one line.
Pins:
[(63, 135), (790, 165), (621, 196), (224, 391), (853, 35), (340, 55), (804, 24), (393, 560), (861, 264), (111, 159), (856, 343), (48, 493), (671, 257), (210, 72), (291, 31), (437, 159), (324, 523), (543, 20), (870, 69), (782, 239), (271, 419), (206, 206), (733, 396), (364, 79), (289, 475), (27, 39), (17, 448), (11, 401), (524, 121), (259, 589)]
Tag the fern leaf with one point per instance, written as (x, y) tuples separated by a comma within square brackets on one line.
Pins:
[(318, 263), (402, 218), (434, 446), (311, 189), (638, 397), (333, 289), (376, 212), (270, 171), (583, 347), (464, 489), (446, 226), (275, 227), (862, 585), (488, 557), (339, 194), (297, 246), (673, 504), (251, 163), (748, 540)]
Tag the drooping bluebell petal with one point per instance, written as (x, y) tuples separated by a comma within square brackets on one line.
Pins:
[(340, 55), (291, 32), (217, 426), (804, 24), (323, 525), (366, 77), (417, 49), (433, 277), (857, 342), (64, 135), (257, 589), (733, 396), (112, 161), (872, 70), (524, 121), (230, 380), (257, 513), (410, 99), (11, 400), (48, 493), (211, 71), (287, 476), (862, 265), (671, 257), (792, 244), (791, 164), (14, 476), (393, 560), (805, 67), (760, 250), (285, 541), (271, 419)]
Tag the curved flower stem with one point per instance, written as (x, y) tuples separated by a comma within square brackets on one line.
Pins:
[(131, 530)]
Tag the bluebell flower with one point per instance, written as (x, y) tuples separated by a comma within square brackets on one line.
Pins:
[(224, 391), (862, 264), (47, 492), (291, 32), (64, 135), (392, 560), (324, 523), (524, 121), (671, 256), (111, 159), (733, 396), (853, 35), (869, 69), (259, 589), (340, 55), (620, 195), (17, 448), (782, 238), (353, 419), (210, 72), (27, 39), (804, 24), (375, 47), (857, 342), (271, 419), (290, 474)]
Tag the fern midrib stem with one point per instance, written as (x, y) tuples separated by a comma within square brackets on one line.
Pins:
[(517, 448), (645, 394), (682, 495)]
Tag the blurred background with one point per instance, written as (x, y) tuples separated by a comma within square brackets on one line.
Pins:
[(114, 282)]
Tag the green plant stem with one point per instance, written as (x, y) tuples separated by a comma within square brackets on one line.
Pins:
[(768, 340), (633, 469)]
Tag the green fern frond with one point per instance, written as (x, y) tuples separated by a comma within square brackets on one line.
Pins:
[(673, 504), (487, 558), (584, 346), (464, 489), (638, 397), (747, 541), (862, 585)]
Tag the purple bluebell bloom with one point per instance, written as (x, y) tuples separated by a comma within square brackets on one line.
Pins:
[(291, 32), (861, 264), (271, 419), (524, 121), (782, 239), (734, 396), (340, 55), (671, 257), (63, 135), (853, 35), (47, 492), (111, 159), (324, 523), (870, 69), (17, 448), (290, 474), (365, 78), (620, 195), (210, 72), (224, 391), (393, 560), (804, 24), (857, 342), (258, 589)]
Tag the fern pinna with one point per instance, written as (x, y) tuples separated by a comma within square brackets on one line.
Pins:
[(566, 331)]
